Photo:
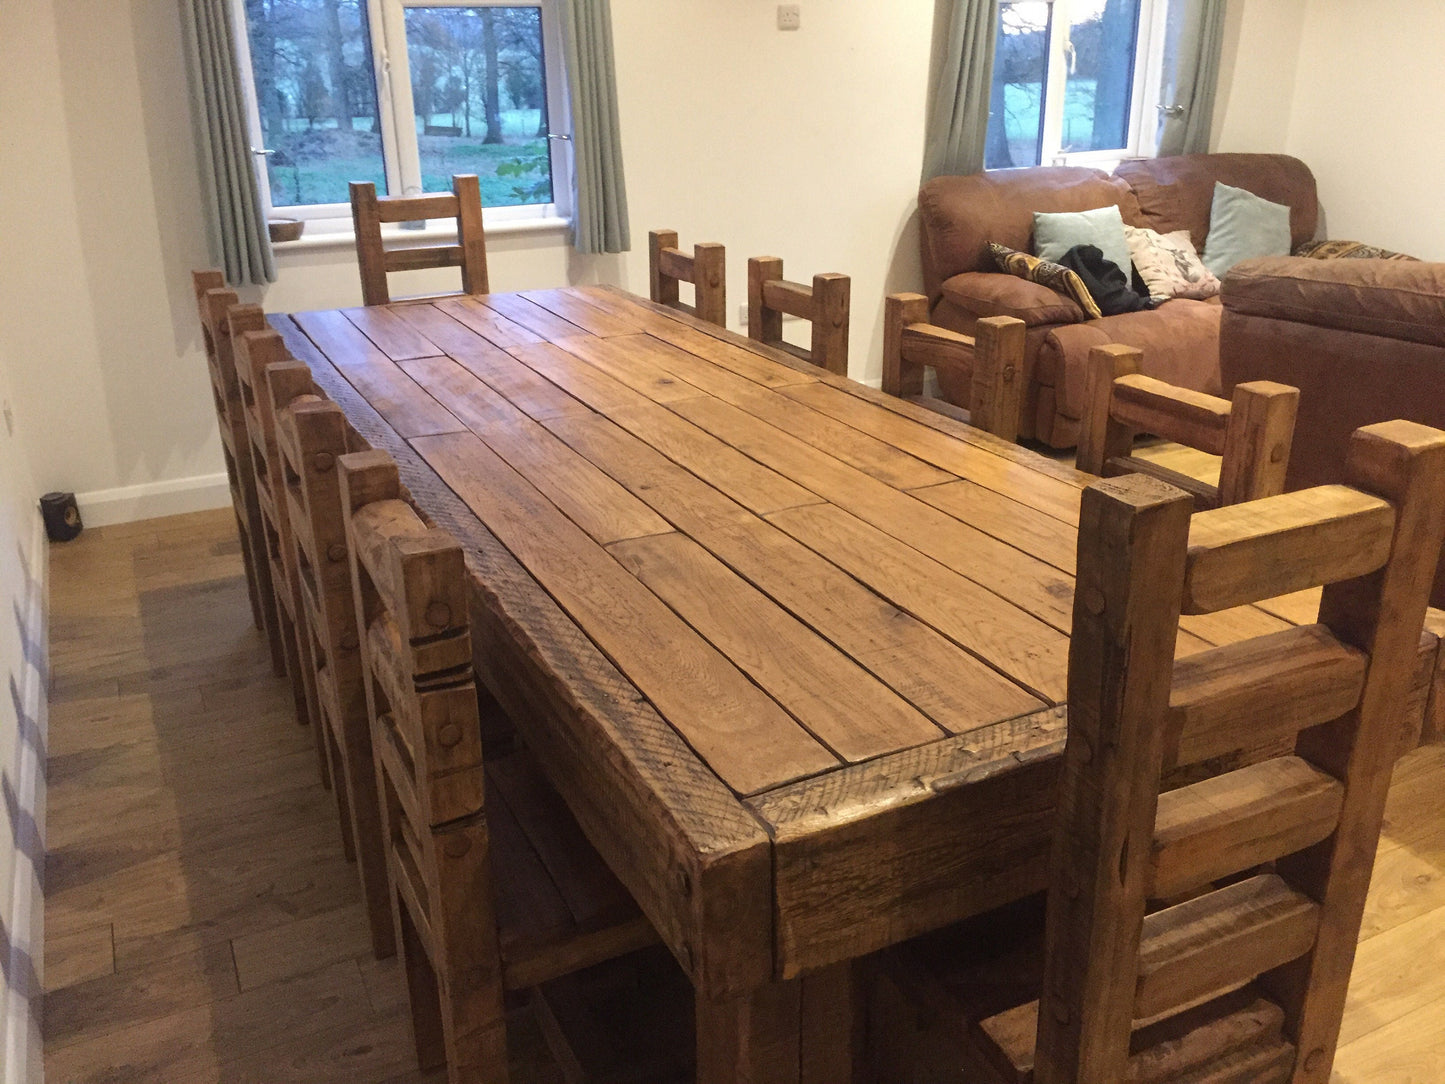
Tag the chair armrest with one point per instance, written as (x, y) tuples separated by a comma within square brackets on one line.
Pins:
[(993, 293)]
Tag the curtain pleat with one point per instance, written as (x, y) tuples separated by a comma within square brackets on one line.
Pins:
[(239, 238), (958, 123), (599, 196), (1196, 80)]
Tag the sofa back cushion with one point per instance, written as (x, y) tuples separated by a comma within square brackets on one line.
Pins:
[(1394, 299), (960, 215), (1176, 193)]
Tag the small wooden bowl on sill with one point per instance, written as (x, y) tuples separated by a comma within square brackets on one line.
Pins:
[(285, 229)]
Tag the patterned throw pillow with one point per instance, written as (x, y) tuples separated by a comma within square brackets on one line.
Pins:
[(1348, 250), (1052, 275), (1169, 265)]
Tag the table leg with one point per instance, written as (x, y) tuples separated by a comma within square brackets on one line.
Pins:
[(802, 1031)]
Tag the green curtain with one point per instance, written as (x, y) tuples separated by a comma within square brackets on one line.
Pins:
[(599, 195), (1190, 87), (228, 168), (958, 121)]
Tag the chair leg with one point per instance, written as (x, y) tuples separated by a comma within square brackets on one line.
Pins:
[(342, 790), (423, 993), (368, 833)]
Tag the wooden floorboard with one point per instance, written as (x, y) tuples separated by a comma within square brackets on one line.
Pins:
[(203, 926), (201, 922)]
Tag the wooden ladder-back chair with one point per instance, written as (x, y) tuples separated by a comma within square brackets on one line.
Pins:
[(312, 434), (992, 360), (214, 302), (825, 304), (494, 886), (705, 268), (463, 203), (256, 353), (1243, 982), (1252, 432)]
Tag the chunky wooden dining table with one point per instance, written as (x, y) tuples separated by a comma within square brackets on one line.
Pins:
[(793, 651)]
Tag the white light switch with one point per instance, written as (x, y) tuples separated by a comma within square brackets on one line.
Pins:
[(790, 16)]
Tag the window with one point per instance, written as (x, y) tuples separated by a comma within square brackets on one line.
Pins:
[(1071, 80), (405, 93)]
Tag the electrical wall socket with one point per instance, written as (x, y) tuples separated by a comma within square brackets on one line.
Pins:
[(790, 16)]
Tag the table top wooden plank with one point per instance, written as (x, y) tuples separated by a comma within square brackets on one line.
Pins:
[(743, 360), (569, 306), (406, 407), (743, 735), (847, 709), (393, 335), (1018, 481), (605, 388), (587, 496), (653, 809), (954, 688), (519, 310), (489, 323), (1021, 579), (1012, 641), (1298, 608), (755, 486), (942, 680), (868, 454), (1021, 526), (1229, 626)]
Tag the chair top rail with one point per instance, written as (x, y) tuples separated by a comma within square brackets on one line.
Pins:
[(1244, 553)]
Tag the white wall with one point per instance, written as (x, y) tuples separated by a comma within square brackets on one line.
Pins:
[(22, 744), (1366, 117), (1257, 74)]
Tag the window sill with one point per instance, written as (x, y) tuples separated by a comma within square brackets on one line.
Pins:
[(344, 237)]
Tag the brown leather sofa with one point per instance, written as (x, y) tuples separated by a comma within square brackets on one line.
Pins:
[(1180, 339), (1363, 340)]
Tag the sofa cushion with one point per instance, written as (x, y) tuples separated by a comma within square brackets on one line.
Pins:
[(994, 293), (960, 215), (1347, 250), (1168, 264), (1179, 340), (1243, 226), (1055, 232), (1056, 277), (1176, 193), (1396, 299)]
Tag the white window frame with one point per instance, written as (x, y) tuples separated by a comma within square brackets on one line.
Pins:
[(400, 155), (1148, 78)]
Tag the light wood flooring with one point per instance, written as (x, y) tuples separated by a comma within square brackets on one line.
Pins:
[(201, 924)]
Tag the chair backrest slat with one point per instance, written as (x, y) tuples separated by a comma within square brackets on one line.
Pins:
[(825, 304), (1262, 549), (369, 211), (705, 269)]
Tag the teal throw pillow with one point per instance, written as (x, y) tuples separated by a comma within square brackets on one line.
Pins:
[(1055, 234), (1243, 226)]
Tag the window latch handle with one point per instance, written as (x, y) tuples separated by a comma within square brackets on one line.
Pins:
[(264, 152), (1172, 112), (559, 136)]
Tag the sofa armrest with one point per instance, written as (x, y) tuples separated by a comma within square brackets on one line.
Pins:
[(993, 293), (1392, 299)]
